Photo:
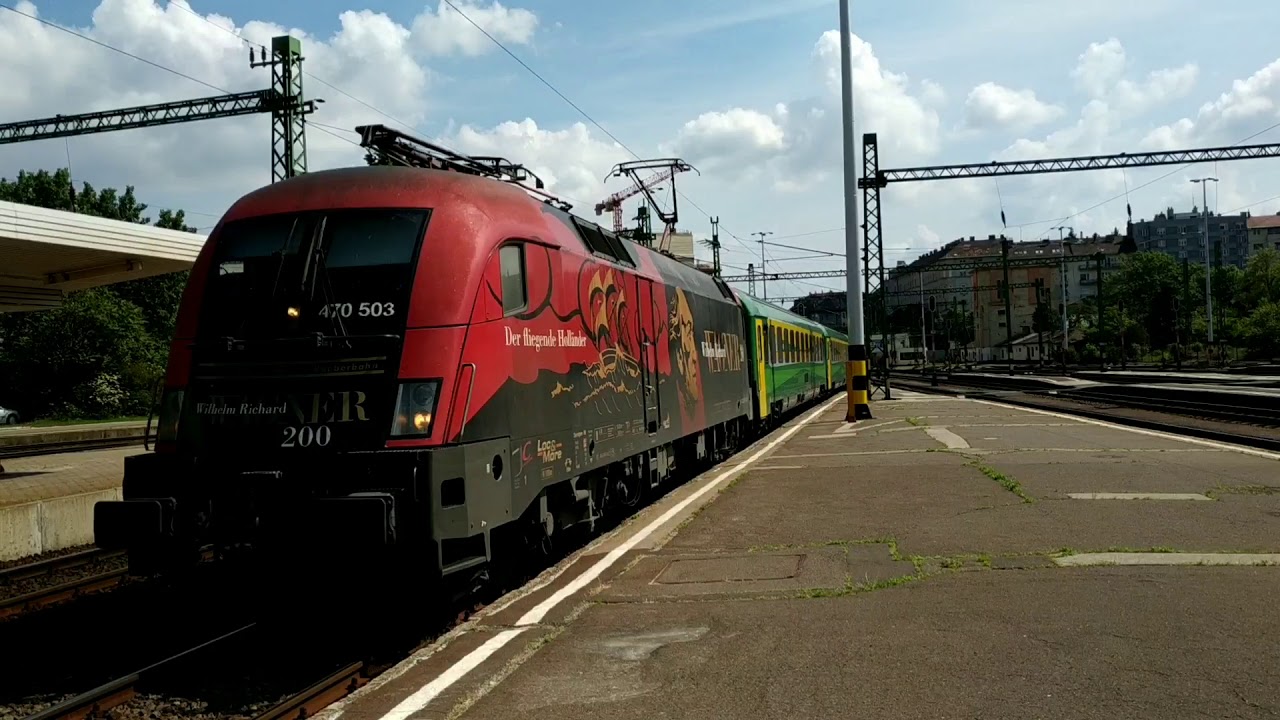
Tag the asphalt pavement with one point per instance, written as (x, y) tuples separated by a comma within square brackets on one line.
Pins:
[(946, 559)]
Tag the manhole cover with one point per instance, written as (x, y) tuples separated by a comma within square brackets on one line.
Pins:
[(730, 569)]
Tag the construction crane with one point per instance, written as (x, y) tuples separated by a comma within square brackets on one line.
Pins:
[(670, 166)]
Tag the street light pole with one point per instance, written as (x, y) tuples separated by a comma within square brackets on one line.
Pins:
[(764, 288), (1062, 275), (1208, 269), (856, 383)]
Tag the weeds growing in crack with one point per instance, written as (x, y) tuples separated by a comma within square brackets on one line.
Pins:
[(1005, 481), (1242, 490), (850, 587), (891, 542)]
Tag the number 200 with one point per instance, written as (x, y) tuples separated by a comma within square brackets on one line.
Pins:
[(306, 436)]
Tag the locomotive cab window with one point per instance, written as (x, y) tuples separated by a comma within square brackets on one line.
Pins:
[(515, 295), (334, 272)]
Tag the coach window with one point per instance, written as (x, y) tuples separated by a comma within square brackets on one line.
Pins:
[(514, 293)]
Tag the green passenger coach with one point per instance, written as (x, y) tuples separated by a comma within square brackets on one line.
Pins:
[(837, 354), (791, 357)]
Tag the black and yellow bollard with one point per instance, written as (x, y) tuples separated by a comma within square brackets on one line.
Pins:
[(857, 384)]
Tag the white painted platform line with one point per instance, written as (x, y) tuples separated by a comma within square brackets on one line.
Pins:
[(946, 437), (469, 662), (1138, 496), (1159, 558), (424, 695), (1140, 431), (851, 430)]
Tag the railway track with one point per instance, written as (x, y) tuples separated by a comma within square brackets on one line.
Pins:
[(108, 699), (1156, 415), (19, 603), (1261, 416), (322, 694), (9, 452), (104, 698)]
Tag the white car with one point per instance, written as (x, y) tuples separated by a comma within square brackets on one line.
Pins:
[(8, 417)]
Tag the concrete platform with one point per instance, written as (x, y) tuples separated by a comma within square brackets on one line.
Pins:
[(46, 501), (26, 437), (915, 565)]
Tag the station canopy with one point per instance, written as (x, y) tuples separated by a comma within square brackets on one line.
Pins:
[(46, 253)]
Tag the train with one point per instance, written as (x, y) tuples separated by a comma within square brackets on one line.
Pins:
[(432, 361)]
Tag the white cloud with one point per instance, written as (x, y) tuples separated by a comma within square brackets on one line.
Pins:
[(571, 162), (994, 106), (798, 144), (1249, 106), (446, 32), (1100, 72), (734, 136), (370, 56), (1099, 67), (932, 94)]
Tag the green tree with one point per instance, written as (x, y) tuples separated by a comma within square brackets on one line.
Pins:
[(1262, 279), (102, 351), (91, 357), (1261, 330), (1146, 284)]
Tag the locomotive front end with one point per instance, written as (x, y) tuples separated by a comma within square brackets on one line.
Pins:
[(280, 403)]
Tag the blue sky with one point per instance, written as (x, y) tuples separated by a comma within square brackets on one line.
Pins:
[(739, 88)]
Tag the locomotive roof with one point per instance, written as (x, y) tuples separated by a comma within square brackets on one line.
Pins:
[(401, 186), (372, 186)]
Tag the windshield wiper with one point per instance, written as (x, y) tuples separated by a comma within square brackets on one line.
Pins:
[(317, 271)]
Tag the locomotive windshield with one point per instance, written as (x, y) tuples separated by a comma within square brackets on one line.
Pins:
[(338, 272)]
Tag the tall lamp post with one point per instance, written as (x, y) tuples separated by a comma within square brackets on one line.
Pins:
[(856, 368), (1208, 269), (1062, 274), (763, 287)]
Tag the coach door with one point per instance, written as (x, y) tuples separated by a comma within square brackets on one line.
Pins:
[(649, 381)]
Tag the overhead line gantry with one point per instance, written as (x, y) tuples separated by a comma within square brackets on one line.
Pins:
[(283, 100), (874, 179)]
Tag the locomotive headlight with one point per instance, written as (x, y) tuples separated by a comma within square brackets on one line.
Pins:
[(415, 408)]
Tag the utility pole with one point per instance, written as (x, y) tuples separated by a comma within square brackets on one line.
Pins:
[(1184, 317), (1008, 303), (764, 286), (715, 245), (1062, 274), (924, 337), (1102, 356), (1208, 269), (856, 369)]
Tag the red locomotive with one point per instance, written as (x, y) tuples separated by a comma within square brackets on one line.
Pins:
[(423, 359)]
